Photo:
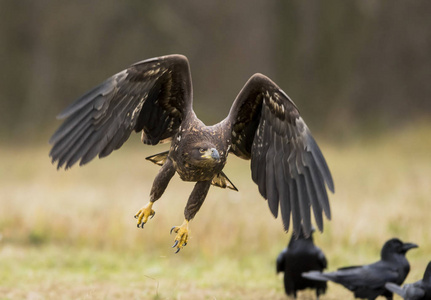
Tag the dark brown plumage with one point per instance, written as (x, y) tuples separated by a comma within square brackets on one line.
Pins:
[(155, 97)]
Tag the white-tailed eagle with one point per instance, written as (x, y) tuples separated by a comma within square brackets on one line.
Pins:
[(154, 97)]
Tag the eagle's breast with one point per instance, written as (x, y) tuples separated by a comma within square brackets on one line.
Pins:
[(194, 136)]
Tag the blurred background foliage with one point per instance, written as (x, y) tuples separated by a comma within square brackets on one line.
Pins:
[(358, 70), (350, 66)]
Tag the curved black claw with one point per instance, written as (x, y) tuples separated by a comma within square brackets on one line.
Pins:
[(152, 215), (172, 229), (178, 250), (185, 244), (175, 244), (136, 216)]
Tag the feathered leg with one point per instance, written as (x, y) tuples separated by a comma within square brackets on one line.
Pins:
[(196, 199), (160, 183)]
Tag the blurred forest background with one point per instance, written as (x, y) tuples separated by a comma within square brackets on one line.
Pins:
[(359, 71), (349, 65)]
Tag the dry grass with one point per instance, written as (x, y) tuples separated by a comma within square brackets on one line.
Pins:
[(71, 235)]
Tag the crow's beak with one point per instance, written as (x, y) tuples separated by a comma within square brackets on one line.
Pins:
[(408, 246)]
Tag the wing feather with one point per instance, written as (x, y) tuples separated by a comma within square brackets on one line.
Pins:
[(304, 201), (271, 183), (114, 142), (319, 186), (77, 143), (318, 157), (293, 198), (395, 288), (152, 96), (221, 180), (286, 162), (259, 149), (70, 123), (100, 137), (65, 142), (105, 88), (304, 204), (317, 208), (282, 186)]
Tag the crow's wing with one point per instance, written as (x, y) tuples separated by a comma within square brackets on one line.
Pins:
[(281, 261), (322, 258), (372, 276)]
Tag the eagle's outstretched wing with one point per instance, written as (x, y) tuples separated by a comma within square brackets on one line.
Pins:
[(286, 163), (153, 95)]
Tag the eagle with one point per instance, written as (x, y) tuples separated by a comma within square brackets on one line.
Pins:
[(155, 97)]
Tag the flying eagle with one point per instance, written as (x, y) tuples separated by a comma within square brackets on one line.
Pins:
[(154, 97)]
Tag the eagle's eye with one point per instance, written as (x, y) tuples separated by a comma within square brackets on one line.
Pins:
[(201, 150)]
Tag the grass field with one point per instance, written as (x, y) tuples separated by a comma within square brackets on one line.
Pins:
[(72, 235)]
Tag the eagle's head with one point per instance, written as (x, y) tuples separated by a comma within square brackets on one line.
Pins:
[(204, 154)]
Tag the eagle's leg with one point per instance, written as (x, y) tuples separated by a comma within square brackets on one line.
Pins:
[(194, 203), (160, 183)]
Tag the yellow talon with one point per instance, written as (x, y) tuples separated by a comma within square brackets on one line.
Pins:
[(144, 213), (182, 235)]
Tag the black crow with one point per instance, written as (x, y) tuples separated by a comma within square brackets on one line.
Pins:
[(301, 255), (368, 282), (419, 290)]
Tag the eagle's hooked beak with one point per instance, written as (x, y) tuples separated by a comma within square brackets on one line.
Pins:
[(212, 154)]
